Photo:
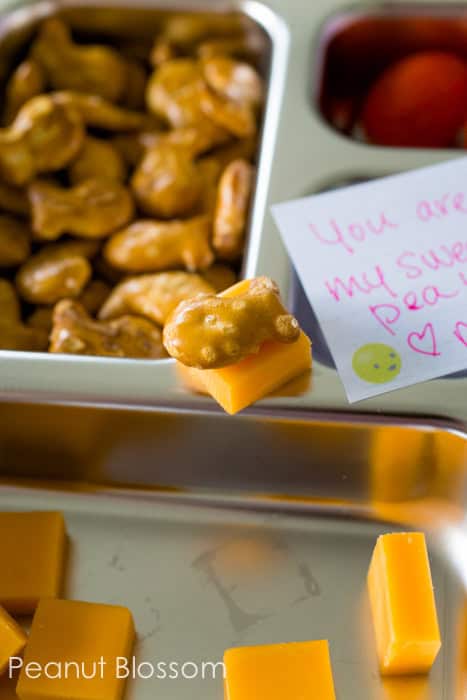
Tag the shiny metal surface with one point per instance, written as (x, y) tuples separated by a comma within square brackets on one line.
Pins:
[(261, 573), (381, 467), (300, 154)]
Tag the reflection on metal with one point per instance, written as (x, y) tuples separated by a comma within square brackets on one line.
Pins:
[(417, 688), (312, 587), (413, 473), (240, 619), (236, 567)]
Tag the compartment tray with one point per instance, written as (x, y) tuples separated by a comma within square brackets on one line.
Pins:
[(203, 574)]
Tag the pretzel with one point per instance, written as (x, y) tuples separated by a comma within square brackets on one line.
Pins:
[(209, 332)]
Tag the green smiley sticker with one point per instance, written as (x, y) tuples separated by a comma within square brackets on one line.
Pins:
[(377, 363)]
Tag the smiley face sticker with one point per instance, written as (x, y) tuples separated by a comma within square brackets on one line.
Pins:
[(376, 363)]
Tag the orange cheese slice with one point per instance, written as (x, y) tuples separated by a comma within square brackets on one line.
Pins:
[(12, 639), (33, 550), (237, 386), (77, 650), (295, 671), (403, 604)]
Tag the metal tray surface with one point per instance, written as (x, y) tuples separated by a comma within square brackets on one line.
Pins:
[(204, 574), (380, 465), (300, 154), (219, 531)]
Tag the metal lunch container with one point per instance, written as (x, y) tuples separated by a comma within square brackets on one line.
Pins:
[(292, 492)]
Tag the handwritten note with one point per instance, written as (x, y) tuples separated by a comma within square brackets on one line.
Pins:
[(384, 265)]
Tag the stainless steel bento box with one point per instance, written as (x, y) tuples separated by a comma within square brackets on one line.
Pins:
[(257, 528), (300, 154)]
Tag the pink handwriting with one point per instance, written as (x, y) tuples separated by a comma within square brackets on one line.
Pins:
[(424, 342), (429, 297), (432, 260), (340, 288), (386, 315), (356, 232), (461, 332), (440, 208), (389, 314)]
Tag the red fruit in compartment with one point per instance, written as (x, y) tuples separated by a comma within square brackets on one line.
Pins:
[(418, 101)]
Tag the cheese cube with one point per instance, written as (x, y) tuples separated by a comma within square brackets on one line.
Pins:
[(33, 552), (81, 634), (239, 385), (296, 671), (403, 604), (12, 639)]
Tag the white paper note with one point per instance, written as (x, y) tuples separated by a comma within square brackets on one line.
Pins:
[(384, 265)]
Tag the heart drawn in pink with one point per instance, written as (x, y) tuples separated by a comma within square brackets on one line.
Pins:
[(461, 332), (424, 342)]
